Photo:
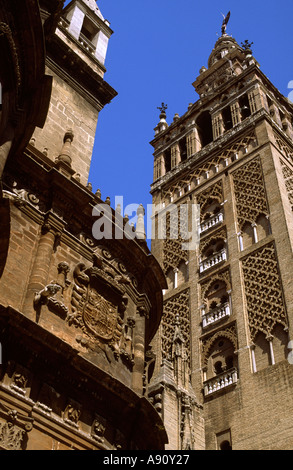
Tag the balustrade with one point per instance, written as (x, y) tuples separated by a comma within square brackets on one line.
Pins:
[(211, 222), (212, 260), (215, 315), (220, 382)]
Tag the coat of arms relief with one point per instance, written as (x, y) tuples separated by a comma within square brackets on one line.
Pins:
[(95, 303)]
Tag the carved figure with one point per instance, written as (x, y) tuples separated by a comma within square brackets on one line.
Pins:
[(225, 22)]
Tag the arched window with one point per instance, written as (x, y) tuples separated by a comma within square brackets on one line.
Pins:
[(204, 127), (225, 445), (167, 159), (221, 358), (262, 227), (244, 107), (227, 118)]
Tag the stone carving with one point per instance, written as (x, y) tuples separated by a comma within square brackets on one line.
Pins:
[(10, 436), (93, 313), (95, 303), (13, 429), (52, 294), (250, 192), (98, 428), (187, 437), (260, 271), (174, 307), (72, 413), (19, 382), (98, 306)]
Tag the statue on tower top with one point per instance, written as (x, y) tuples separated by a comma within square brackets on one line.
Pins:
[(225, 22)]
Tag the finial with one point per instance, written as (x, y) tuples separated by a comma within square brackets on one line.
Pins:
[(140, 228), (246, 45), (163, 123), (163, 108), (225, 22), (65, 155)]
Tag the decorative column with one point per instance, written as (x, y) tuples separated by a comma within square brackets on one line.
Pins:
[(252, 100), (159, 167), (140, 227), (175, 156), (254, 232), (240, 240), (217, 124), (270, 340), (51, 231), (139, 349), (175, 278), (192, 143), (235, 112), (252, 351), (179, 357), (63, 161), (202, 310)]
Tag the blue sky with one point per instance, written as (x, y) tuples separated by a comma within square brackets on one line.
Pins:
[(154, 55)]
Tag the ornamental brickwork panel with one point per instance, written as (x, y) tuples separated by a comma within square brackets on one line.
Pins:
[(173, 307), (212, 164), (250, 194), (174, 237), (214, 192), (286, 150), (288, 178), (263, 290)]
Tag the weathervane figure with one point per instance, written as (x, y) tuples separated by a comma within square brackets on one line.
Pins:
[(225, 22)]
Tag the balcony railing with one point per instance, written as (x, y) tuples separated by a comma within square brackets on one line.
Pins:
[(211, 222), (215, 315), (212, 260), (221, 381), (86, 43)]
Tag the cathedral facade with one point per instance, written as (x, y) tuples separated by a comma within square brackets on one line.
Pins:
[(104, 344)]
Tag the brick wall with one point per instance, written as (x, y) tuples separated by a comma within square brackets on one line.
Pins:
[(69, 110)]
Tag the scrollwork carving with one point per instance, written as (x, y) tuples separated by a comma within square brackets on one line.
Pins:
[(14, 428)]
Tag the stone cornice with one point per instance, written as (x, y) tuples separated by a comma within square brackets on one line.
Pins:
[(67, 64)]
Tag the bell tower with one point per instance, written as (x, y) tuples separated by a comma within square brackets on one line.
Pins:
[(75, 60), (231, 154)]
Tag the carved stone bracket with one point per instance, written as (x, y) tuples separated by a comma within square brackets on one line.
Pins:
[(72, 413)]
